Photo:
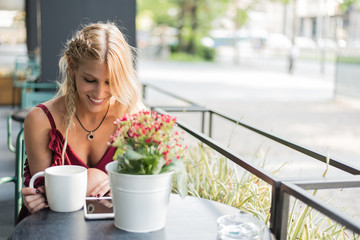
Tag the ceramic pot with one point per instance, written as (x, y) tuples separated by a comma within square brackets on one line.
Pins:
[(140, 202)]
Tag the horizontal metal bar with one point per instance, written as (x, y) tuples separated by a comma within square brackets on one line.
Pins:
[(338, 164), (7, 179), (191, 108), (259, 172), (319, 205), (168, 93), (309, 184), (41, 85)]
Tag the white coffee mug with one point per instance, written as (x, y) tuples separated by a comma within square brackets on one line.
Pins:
[(65, 187)]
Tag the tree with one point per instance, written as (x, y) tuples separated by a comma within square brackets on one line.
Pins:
[(346, 4), (192, 19)]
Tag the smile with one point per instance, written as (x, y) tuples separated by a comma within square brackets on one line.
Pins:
[(95, 100)]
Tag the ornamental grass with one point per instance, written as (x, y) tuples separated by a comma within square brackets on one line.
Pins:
[(214, 177)]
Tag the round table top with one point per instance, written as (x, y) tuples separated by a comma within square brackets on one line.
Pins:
[(188, 218)]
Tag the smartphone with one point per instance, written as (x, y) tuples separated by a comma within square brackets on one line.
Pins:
[(98, 208)]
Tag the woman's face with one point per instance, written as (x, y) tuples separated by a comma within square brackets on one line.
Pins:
[(92, 84)]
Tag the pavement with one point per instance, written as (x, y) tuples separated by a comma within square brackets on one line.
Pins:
[(301, 108)]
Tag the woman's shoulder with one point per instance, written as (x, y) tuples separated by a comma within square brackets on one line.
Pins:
[(37, 116)]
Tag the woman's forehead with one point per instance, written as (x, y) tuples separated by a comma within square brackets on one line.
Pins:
[(94, 68)]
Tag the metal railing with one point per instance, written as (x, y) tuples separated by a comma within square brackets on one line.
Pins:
[(282, 189)]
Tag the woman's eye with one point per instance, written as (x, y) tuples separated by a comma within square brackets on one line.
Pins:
[(89, 81)]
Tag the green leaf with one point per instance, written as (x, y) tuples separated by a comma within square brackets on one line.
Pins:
[(158, 164), (133, 155)]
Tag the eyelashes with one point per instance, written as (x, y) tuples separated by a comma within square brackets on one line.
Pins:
[(92, 81), (89, 81)]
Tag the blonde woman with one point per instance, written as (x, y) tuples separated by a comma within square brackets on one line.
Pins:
[(99, 85)]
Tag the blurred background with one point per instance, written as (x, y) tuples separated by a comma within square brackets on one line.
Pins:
[(289, 67)]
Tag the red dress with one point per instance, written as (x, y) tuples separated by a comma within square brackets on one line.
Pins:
[(56, 145)]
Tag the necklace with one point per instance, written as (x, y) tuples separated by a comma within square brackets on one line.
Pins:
[(90, 136)]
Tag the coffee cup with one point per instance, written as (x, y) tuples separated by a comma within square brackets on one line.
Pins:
[(65, 187)]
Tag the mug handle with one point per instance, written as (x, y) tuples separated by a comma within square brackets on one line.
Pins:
[(32, 180)]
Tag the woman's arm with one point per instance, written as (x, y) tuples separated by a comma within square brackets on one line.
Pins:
[(37, 138)]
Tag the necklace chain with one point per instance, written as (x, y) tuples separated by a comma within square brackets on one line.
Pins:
[(90, 136)]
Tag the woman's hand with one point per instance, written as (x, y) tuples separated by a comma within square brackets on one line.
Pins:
[(34, 199), (98, 183)]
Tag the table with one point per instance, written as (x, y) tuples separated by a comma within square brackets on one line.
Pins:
[(188, 218)]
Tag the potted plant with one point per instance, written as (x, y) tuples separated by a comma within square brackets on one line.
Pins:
[(149, 152)]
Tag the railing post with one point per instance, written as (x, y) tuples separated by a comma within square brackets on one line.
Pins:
[(202, 122), (210, 123), (279, 212)]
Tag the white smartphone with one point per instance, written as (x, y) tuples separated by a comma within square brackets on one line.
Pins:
[(98, 208)]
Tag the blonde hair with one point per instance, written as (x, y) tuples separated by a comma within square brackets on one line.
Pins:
[(105, 43)]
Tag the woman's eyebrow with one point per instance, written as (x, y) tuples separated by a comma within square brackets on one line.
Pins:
[(89, 75)]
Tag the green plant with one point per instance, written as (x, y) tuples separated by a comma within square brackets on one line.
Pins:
[(212, 176), (148, 143), (207, 53), (185, 57)]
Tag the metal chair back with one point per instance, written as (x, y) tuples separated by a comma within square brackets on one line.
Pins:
[(17, 179)]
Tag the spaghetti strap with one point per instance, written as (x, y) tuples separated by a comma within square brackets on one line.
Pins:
[(48, 114)]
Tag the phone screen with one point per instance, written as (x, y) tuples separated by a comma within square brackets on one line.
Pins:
[(98, 208)]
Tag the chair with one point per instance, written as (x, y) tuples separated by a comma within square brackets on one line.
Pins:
[(19, 172), (33, 93)]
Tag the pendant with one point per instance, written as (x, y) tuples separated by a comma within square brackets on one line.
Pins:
[(90, 136)]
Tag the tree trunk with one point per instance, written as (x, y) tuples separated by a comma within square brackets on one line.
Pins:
[(194, 25), (182, 44)]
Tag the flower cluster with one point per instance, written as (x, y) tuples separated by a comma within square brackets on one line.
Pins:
[(147, 143)]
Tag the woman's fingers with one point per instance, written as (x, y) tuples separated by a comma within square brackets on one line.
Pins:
[(34, 199), (37, 204), (101, 189), (29, 191), (106, 203), (41, 189)]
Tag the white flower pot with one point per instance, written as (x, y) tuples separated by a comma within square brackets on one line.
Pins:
[(140, 201)]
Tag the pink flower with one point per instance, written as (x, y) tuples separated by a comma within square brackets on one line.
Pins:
[(149, 133)]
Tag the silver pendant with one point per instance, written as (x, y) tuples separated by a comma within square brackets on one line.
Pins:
[(90, 136)]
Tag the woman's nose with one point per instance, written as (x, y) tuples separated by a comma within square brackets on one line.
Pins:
[(101, 90)]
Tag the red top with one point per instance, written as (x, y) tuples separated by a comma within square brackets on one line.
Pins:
[(56, 145)]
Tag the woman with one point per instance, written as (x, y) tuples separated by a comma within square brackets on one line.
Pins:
[(99, 85)]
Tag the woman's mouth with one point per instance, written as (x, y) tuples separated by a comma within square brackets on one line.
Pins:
[(97, 101)]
